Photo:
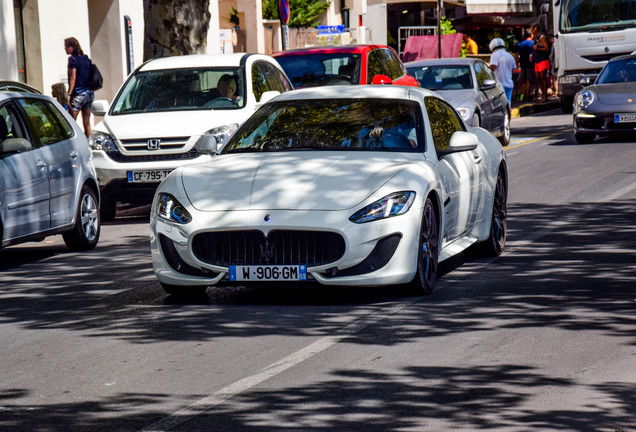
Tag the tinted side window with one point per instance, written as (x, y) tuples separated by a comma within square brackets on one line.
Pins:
[(444, 122), (374, 65), (393, 65), (266, 77), (43, 122)]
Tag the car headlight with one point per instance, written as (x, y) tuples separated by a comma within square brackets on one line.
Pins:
[(585, 98), (102, 141), (464, 112), (391, 205), (221, 134), (170, 209)]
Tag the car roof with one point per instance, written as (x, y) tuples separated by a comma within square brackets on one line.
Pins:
[(199, 60), (17, 86), (455, 61), (353, 48), (354, 92)]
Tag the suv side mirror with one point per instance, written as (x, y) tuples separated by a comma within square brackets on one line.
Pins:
[(488, 84), (267, 96), (100, 107), (207, 144), (14, 145)]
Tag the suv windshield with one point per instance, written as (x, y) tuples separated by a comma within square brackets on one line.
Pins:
[(182, 89), (586, 15), (442, 77), (340, 124), (310, 70)]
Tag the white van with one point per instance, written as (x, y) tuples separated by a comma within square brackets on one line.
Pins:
[(162, 111)]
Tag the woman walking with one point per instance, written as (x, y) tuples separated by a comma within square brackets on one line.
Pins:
[(79, 93)]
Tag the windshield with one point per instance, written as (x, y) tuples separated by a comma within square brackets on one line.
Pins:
[(618, 71), (442, 77), (182, 89), (590, 15), (340, 124), (310, 70)]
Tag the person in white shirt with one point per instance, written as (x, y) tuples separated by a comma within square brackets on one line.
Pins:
[(502, 63)]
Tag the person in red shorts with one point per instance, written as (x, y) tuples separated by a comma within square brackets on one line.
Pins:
[(541, 58)]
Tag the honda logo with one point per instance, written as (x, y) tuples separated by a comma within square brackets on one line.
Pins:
[(267, 251), (154, 144)]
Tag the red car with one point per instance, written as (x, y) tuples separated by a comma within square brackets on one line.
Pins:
[(344, 64)]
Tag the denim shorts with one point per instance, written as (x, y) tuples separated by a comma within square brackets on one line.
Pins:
[(82, 100)]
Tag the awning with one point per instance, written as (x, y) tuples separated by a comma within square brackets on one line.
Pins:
[(497, 6)]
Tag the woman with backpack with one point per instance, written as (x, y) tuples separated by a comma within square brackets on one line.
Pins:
[(79, 93)]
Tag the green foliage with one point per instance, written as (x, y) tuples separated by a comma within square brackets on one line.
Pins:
[(234, 16), (447, 26), (302, 13)]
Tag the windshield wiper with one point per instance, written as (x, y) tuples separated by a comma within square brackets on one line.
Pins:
[(244, 150)]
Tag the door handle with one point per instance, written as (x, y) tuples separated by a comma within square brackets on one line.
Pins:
[(476, 159), (73, 154), (40, 164)]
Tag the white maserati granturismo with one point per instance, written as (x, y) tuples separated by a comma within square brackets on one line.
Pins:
[(348, 186)]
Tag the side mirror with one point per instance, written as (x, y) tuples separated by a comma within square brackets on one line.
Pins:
[(488, 84), (14, 145), (100, 107), (381, 79), (585, 81), (462, 141), (207, 144), (267, 96)]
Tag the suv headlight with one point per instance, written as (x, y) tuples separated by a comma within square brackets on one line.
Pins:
[(102, 141), (221, 134), (170, 209), (585, 98), (464, 112), (391, 205)]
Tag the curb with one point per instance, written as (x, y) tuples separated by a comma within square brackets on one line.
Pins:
[(533, 108)]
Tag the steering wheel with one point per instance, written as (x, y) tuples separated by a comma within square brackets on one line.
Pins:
[(395, 140), (220, 102)]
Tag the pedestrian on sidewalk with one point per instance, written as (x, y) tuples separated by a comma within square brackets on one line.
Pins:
[(471, 45), (502, 63), (79, 93), (541, 57), (526, 65)]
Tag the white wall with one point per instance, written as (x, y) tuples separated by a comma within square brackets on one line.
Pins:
[(376, 21), (8, 56)]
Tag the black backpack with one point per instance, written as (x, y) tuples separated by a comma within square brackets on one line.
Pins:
[(95, 79)]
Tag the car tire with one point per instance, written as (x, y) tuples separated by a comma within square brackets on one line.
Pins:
[(85, 233), (494, 244), (428, 253), (584, 138), (184, 290), (504, 139), (476, 120), (108, 210)]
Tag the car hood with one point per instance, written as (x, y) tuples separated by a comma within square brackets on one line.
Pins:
[(615, 94), (458, 98), (299, 180), (168, 124)]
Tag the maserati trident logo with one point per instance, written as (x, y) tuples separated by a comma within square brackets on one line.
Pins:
[(153, 144), (267, 251)]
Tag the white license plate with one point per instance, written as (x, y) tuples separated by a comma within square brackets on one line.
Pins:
[(624, 118), (147, 176), (268, 273)]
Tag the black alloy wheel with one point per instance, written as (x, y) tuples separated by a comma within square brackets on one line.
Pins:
[(494, 245), (428, 252)]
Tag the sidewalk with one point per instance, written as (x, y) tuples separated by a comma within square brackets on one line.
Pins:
[(522, 109)]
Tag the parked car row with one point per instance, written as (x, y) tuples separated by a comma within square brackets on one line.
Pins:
[(334, 183)]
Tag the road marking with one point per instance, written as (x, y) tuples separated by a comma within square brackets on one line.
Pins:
[(242, 385), (530, 140)]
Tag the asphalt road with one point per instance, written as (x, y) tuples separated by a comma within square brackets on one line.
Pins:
[(541, 338)]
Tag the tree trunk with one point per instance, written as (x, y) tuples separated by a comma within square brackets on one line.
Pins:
[(175, 27)]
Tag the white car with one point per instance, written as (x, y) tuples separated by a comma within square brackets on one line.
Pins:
[(164, 108), (343, 186), (48, 183)]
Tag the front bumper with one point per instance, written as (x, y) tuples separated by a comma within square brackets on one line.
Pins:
[(600, 124), (382, 252), (113, 175)]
